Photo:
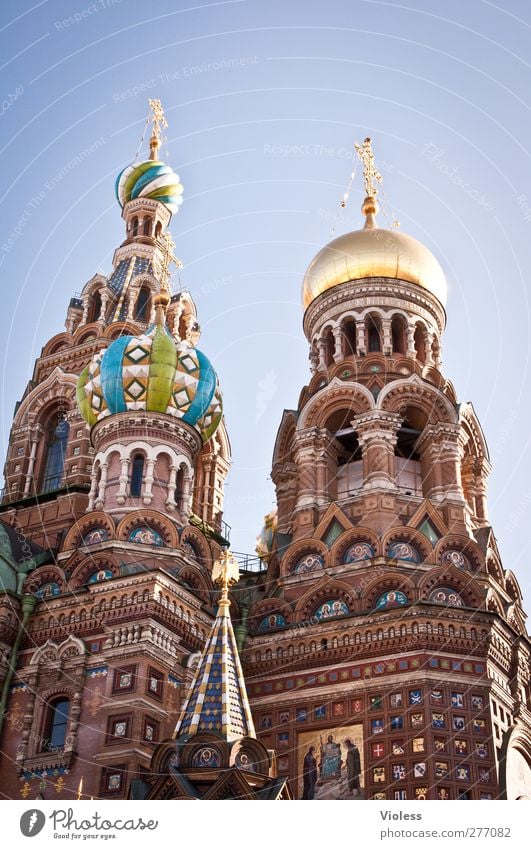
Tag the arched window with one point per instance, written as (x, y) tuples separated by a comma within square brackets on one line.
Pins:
[(54, 462), (330, 347), (158, 229), (398, 334), (349, 337), (142, 304), (137, 473), (56, 724), (95, 308), (146, 227), (134, 227), (374, 340)]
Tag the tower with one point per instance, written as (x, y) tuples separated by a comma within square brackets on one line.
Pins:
[(385, 619), (111, 518), (214, 753)]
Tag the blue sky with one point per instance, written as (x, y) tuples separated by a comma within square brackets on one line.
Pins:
[(264, 102)]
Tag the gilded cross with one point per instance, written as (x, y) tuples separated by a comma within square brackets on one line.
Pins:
[(158, 119), (168, 246), (225, 573), (371, 175)]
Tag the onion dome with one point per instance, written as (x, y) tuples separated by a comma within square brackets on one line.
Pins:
[(373, 252), (150, 179), (155, 373)]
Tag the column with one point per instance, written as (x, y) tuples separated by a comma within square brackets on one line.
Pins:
[(86, 303), (387, 338), (314, 360), (147, 494), (186, 494), (93, 488), (305, 458), (104, 300), (321, 352), (31, 465), (338, 344), (360, 336), (103, 486), (172, 484), (429, 343), (377, 435), (411, 352), (123, 480)]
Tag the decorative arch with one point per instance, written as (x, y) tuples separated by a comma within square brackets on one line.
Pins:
[(54, 653), (120, 328), (194, 538), (269, 607), (59, 386), (336, 395), (388, 582), (358, 535), (449, 548), (320, 593), (451, 578), (494, 567), (57, 343), (411, 536), (91, 564), (414, 392), (300, 549), (96, 519), (282, 452), (151, 518), (86, 333), (43, 575)]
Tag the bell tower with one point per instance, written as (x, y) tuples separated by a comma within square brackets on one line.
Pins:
[(386, 613)]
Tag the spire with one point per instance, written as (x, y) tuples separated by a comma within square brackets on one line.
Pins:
[(159, 122), (217, 700), (372, 178)]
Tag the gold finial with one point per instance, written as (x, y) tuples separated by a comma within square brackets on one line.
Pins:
[(371, 178), (158, 119), (225, 572), (161, 301)]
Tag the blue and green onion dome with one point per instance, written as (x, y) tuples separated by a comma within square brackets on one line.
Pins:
[(155, 373), (150, 179)]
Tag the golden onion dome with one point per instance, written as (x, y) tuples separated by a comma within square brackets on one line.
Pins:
[(373, 252)]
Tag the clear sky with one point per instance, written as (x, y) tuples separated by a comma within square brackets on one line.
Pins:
[(264, 102)]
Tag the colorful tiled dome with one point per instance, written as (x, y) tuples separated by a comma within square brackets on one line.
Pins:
[(151, 372), (149, 179)]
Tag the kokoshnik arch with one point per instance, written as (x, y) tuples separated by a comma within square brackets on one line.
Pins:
[(379, 648)]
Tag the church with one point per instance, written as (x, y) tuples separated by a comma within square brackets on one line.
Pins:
[(376, 648)]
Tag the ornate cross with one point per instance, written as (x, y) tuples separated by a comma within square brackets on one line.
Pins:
[(158, 119), (168, 246), (225, 573), (371, 175)]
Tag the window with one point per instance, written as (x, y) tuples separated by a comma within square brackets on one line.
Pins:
[(137, 474), (95, 308), (134, 227), (55, 456), (349, 337), (154, 684), (142, 304), (398, 335), (124, 679), (374, 334), (56, 724), (146, 228)]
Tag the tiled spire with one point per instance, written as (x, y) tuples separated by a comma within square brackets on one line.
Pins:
[(218, 701)]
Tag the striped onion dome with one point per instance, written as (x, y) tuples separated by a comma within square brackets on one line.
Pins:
[(155, 373), (150, 179)]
